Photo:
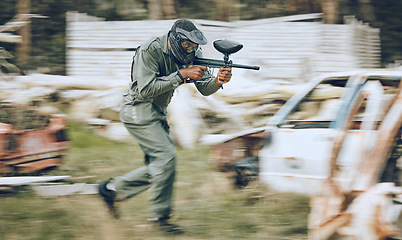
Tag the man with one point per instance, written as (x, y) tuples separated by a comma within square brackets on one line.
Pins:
[(160, 66)]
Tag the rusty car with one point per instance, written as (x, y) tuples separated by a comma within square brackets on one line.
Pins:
[(362, 196), (30, 141)]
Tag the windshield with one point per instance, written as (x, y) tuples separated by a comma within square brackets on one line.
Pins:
[(319, 107)]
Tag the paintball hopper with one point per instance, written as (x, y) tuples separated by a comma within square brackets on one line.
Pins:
[(226, 46)]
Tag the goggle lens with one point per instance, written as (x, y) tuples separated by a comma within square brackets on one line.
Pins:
[(189, 46)]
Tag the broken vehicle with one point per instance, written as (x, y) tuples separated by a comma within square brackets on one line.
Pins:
[(303, 132), (299, 138), (238, 156), (362, 197), (30, 141)]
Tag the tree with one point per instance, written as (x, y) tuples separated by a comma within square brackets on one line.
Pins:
[(330, 11), (364, 10), (224, 7), (161, 9), (24, 7)]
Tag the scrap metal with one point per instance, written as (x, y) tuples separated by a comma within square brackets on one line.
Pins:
[(369, 206), (30, 141)]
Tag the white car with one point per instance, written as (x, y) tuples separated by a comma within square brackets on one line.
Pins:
[(334, 119)]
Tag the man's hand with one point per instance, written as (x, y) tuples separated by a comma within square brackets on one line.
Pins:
[(223, 76), (195, 72)]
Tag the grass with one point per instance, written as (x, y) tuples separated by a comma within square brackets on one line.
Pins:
[(205, 203)]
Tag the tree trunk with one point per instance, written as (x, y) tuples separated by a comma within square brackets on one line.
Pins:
[(302, 6), (23, 48), (366, 10), (168, 9), (79, 6), (292, 6), (154, 9), (330, 10), (161, 9), (224, 7)]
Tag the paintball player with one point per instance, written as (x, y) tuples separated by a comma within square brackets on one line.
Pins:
[(160, 65)]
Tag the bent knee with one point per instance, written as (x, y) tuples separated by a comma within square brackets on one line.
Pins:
[(166, 165)]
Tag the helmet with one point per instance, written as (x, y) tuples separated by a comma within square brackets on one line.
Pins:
[(184, 40)]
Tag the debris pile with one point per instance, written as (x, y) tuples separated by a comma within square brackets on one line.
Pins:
[(29, 140), (192, 116)]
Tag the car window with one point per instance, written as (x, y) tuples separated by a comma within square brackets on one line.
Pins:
[(322, 104), (389, 86), (319, 107)]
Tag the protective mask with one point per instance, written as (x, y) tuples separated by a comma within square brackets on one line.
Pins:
[(180, 54), (179, 36)]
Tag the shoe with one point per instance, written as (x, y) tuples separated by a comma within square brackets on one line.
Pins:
[(167, 227), (109, 197)]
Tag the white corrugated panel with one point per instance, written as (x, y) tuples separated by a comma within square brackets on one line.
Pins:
[(280, 47)]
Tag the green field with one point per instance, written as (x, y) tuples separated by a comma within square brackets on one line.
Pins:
[(206, 204)]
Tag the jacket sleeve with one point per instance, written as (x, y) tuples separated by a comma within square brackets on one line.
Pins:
[(207, 85), (147, 74)]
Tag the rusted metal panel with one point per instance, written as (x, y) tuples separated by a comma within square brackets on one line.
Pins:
[(371, 168), (38, 143), (373, 205), (327, 229), (37, 165)]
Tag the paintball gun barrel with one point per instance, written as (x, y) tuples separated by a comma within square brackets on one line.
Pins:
[(226, 47), (214, 63)]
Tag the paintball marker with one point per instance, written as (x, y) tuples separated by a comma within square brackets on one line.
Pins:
[(226, 47)]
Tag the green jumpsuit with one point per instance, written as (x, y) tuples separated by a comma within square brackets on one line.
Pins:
[(143, 112)]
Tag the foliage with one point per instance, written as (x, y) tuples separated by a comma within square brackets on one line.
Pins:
[(48, 35), (195, 9), (389, 16), (7, 10)]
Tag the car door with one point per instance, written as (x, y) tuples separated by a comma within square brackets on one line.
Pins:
[(293, 159), (360, 199), (360, 134)]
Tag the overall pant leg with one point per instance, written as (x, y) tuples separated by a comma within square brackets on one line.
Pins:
[(157, 144)]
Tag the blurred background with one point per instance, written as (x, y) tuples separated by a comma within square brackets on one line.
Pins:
[(43, 46), (41, 54)]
